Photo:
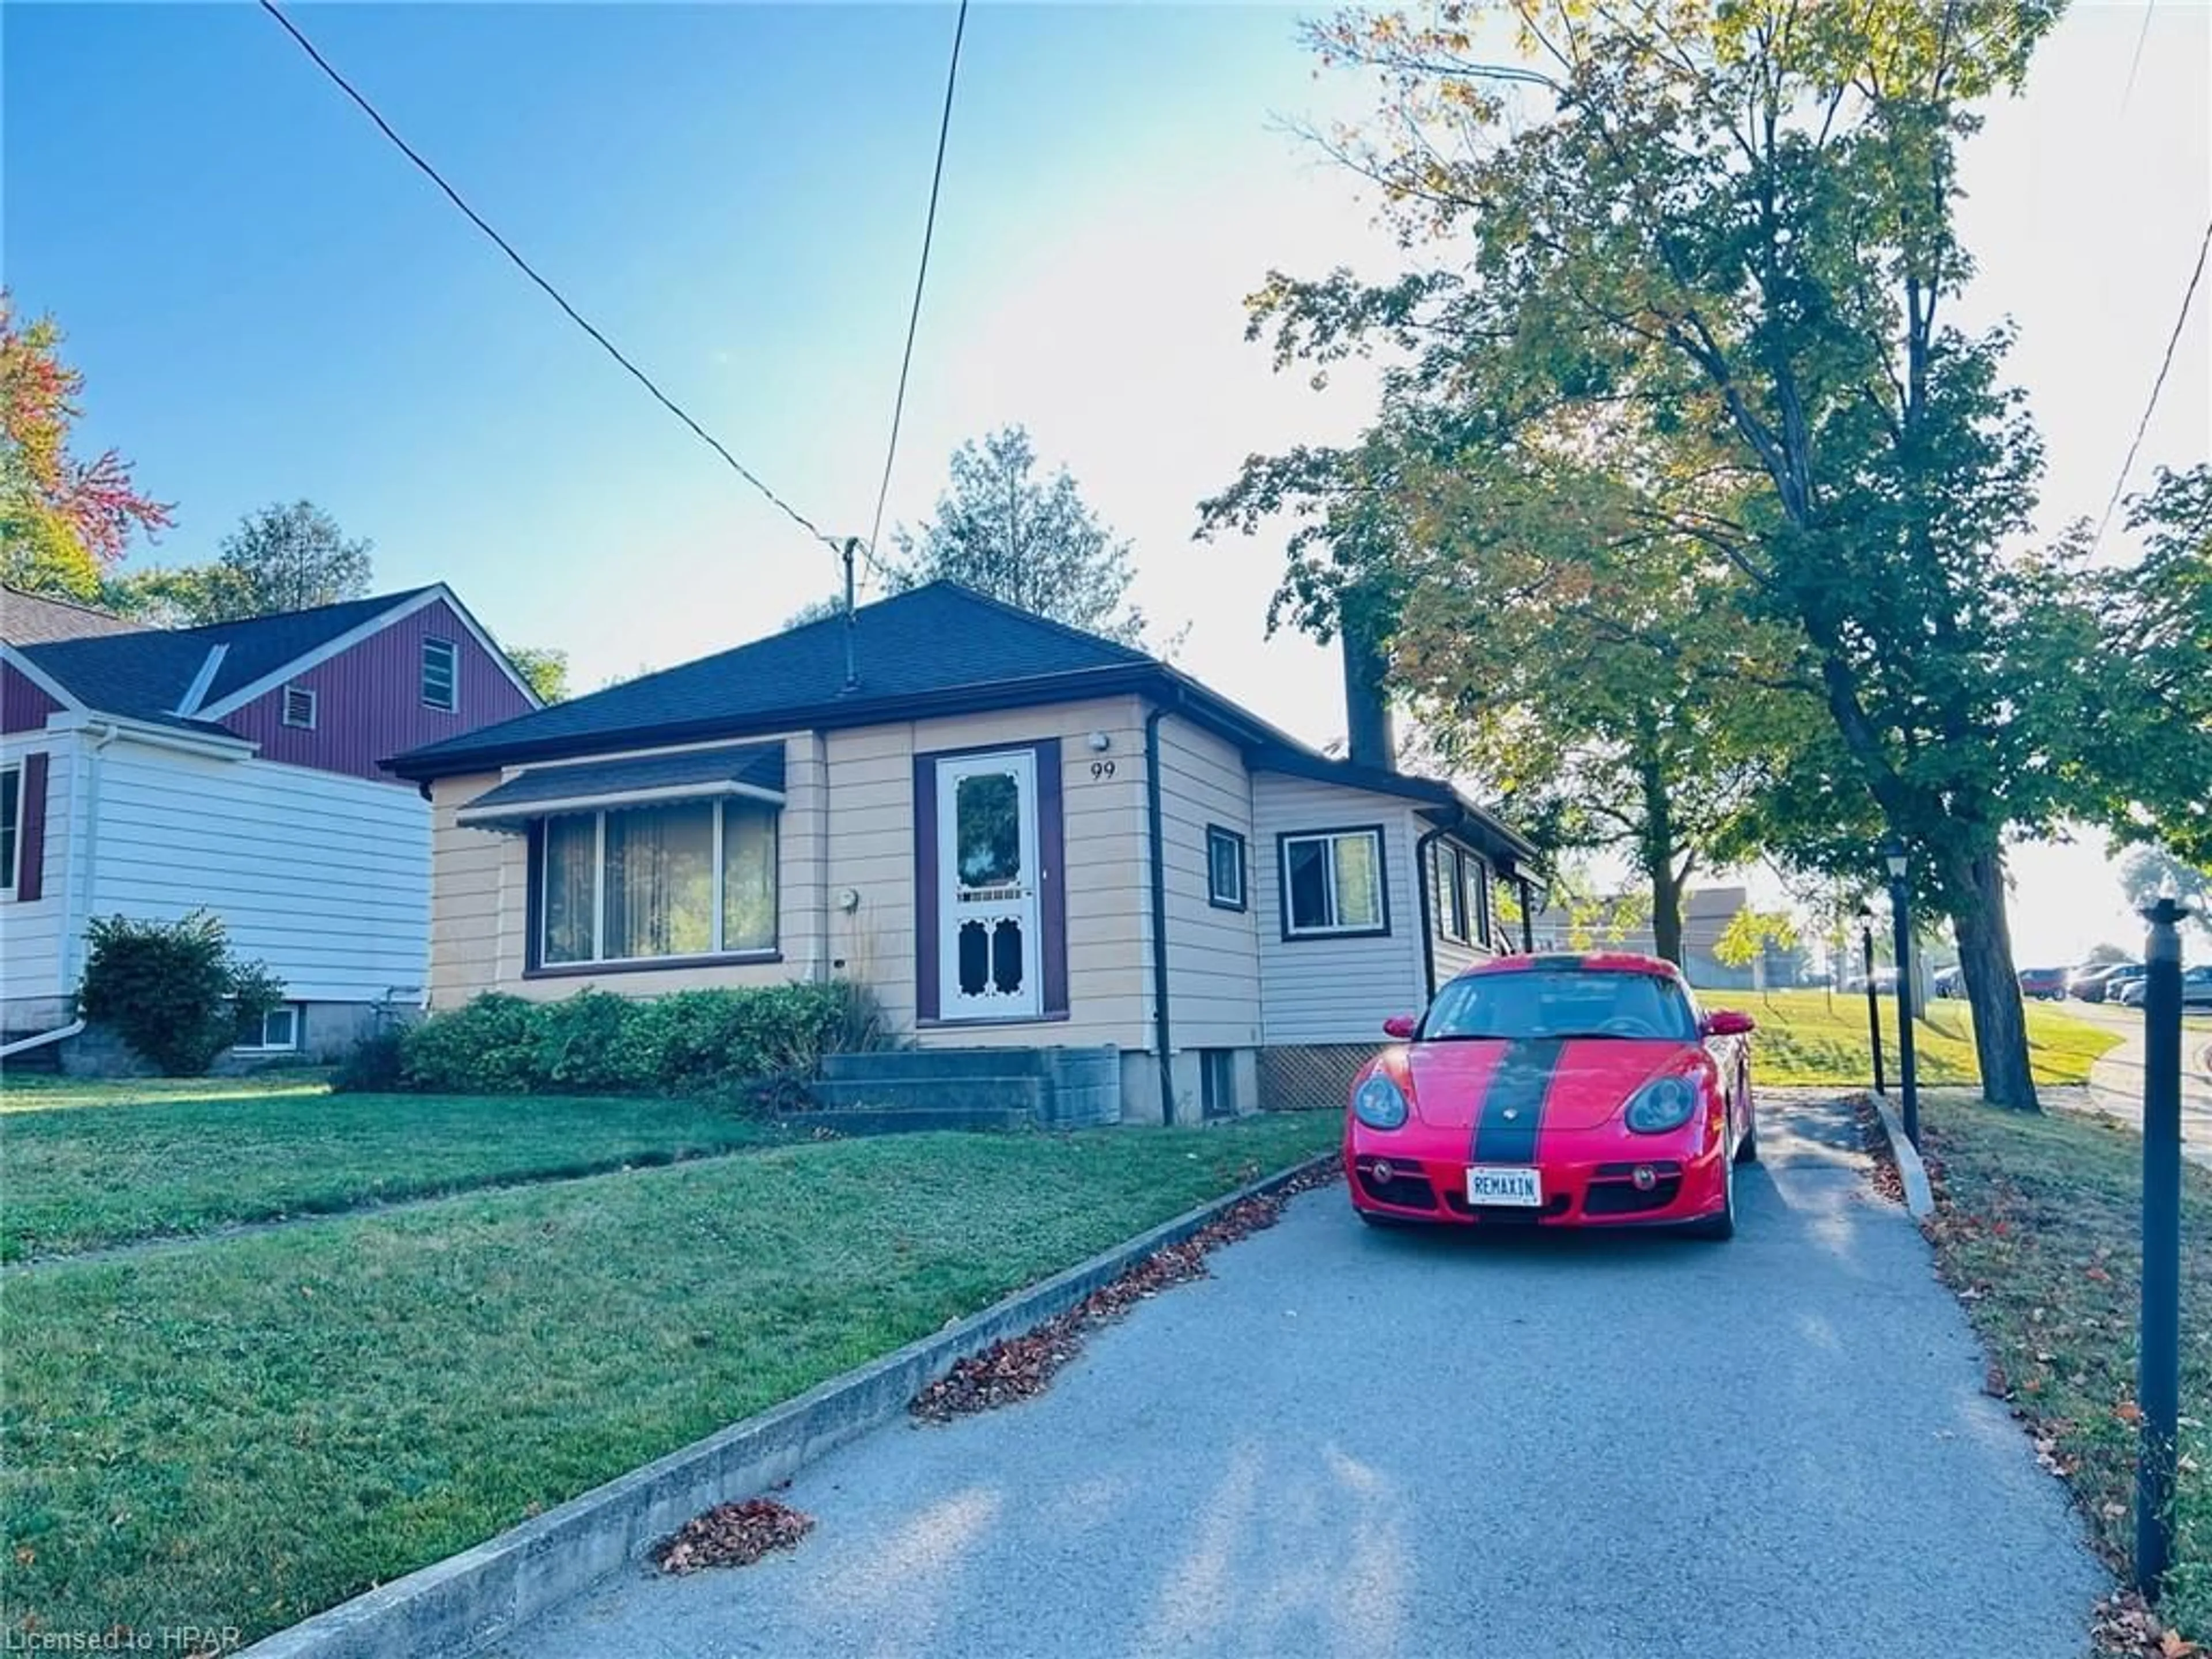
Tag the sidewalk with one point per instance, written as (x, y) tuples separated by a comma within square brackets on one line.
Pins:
[(2116, 1084)]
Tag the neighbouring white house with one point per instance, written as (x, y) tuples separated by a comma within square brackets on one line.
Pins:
[(236, 769), (1020, 835)]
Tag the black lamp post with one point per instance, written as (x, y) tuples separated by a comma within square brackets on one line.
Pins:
[(1873, 997), (2158, 1383), (1900, 907)]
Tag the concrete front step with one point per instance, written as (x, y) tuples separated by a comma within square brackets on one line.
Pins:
[(1051, 1087), (917, 1120), (1023, 1096), (908, 1064)]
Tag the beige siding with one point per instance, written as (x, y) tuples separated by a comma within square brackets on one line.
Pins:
[(848, 826), (871, 853), (1333, 990), (479, 908), (1214, 954)]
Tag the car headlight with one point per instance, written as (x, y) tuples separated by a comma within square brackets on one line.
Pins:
[(1667, 1103), (1379, 1103)]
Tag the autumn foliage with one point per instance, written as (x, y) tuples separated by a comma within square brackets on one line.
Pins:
[(64, 521)]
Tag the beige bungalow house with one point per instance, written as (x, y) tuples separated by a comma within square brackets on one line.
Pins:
[(1020, 835)]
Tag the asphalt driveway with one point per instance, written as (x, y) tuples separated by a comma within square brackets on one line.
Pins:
[(1394, 1446)]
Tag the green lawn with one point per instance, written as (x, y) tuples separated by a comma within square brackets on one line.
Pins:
[(2040, 1218), (248, 1429), (36, 1093), (1808, 1037), (80, 1174)]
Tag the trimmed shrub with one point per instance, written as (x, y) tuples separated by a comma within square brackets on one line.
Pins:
[(485, 1046), (766, 1042), (172, 989), (374, 1065), (591, 1043)]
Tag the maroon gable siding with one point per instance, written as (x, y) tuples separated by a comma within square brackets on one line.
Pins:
[(369, 700), (23, 707)]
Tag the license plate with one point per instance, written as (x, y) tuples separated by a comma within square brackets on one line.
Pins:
[(1514, 1186)]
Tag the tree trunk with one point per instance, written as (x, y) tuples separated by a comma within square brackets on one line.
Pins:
[(1992, 985), (1658, 847), (1665, 912)]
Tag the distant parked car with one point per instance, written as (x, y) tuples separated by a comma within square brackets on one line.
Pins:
[(2091, 980), (1950, 982), (2048, 983), (1885, 979), (2127, 974), (2196, 989)]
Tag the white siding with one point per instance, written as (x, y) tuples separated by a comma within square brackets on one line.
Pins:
[(1333, 990), (1214, 954), (325, 879), (1450, 956), (32, 964)]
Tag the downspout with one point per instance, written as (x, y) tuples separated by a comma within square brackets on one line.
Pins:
[(81, 910), (1421, 845), (1153, 819)]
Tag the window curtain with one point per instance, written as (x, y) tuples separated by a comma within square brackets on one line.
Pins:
[(571, 870), (748, 877), (661, 882)]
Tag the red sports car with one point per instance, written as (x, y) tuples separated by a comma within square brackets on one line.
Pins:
[(1574, 1091)]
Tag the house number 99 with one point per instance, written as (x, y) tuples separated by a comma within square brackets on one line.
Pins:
[(1101, 768)]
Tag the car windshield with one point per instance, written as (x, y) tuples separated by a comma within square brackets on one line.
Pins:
[(1560, 1002)]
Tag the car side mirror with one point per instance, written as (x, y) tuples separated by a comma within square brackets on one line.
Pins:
[(1727, 1022), (1400, 1026)]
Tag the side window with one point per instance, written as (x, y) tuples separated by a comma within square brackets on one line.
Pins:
[(442, 674)]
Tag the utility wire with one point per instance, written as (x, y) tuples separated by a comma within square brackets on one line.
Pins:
[(2135, 62), (552, 293), (921, 277), (2157, 386)]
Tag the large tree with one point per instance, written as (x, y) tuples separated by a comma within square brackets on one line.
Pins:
[(1735, 222), (63, 521), (2153, 767), (281, 558), (1556, 640), (1031, 541)]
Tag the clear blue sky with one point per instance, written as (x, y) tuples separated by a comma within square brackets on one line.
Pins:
[(268, 302)]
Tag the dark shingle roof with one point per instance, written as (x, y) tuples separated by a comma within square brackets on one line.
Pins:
[(144, 674), (701, 771), (934, 639), (35, 619)]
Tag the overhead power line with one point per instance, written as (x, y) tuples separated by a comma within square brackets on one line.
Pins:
[(552, 293), (2158, 385), (921, 278), (2135, 62)]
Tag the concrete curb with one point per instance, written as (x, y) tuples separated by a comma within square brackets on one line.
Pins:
[(1919, 1197), (458, 1605)]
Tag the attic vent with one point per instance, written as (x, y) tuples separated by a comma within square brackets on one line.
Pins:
[(299, 707)]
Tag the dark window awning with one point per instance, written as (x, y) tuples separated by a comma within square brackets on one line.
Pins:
[(752, 771)]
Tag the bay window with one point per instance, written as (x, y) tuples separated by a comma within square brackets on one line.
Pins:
[(693, 878)]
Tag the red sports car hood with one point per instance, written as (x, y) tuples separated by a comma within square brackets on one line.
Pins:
[(1573, 1083)]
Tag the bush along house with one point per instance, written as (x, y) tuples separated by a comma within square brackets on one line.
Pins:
[(235, 769), (1051, 857)]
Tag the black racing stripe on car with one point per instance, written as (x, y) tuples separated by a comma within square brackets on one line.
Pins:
[(1512, 1109)]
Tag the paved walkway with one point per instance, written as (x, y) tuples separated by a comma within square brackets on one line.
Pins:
[(2116, 1081), (1395, 1446)]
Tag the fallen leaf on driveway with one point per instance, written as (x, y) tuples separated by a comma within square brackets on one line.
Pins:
[(732, 1535)]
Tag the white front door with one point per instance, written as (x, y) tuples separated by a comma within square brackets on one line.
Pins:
[(989, 943)]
